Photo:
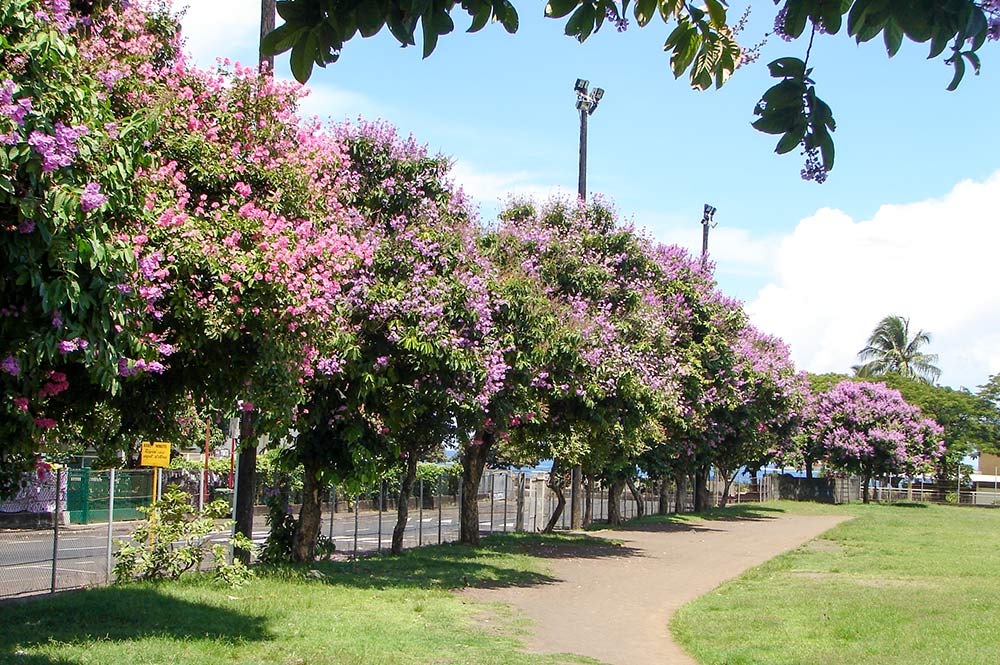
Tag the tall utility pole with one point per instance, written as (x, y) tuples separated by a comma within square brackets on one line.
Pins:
[(586, 104), (707, 222), (267, 12), (247, 465)]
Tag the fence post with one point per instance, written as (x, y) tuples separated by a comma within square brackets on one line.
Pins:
[(519, 496), (236, 488), (458, 500), (420, 515), (440, 511), (202, 482), (357, 508), (333, 510), (506, 477), (381, 498), (55, 529), (493, 478), (111, 521)]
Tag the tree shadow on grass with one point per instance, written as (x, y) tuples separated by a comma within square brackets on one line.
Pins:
[(696, 522), (454, 566), (116, 614), (908, 504)]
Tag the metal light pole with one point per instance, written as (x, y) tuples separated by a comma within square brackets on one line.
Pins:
[(707, 222), (586, 104)]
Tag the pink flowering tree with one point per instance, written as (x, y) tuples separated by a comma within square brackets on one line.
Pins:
[(421, 363), (869, 429), (67, 196), (766, 410), (604, 398)]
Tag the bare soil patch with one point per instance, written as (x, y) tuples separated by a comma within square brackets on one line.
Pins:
[(617, 608)]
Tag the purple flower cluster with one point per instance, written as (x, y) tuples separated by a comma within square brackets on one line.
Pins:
[(10, 366), (15, 110), (57, 150), (92, 198)]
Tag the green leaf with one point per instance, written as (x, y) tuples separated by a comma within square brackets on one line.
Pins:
[(481, 16), (644, 11), (791, 140), (560, 8), (581, 23), (280, 40), (508, 19), (893, 37), (959, 65), (302, 58), (370, 17), (717, 12), (787, 67)]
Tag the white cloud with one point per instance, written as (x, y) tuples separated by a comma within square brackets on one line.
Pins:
[(933, 261), (734, 250), (221, 28), (330, 102), (489, 188)]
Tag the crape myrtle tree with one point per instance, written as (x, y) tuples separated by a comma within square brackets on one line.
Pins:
[(606, 402), (701, 42), (67, 200), (970, 422), (422, 358), (770, 398), (869, 429)]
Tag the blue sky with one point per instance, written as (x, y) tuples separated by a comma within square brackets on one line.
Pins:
[(817, 265)]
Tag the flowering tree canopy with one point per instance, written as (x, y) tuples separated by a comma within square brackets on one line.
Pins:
[(869, 429)]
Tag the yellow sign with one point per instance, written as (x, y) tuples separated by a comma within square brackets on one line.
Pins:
[(155, 453)]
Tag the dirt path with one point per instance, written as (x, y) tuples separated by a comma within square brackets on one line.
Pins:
[(614, 603)]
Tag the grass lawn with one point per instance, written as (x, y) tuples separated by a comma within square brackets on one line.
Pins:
[(373, 611), (909, 584)]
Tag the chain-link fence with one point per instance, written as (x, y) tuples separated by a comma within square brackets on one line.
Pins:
[(52, 540)]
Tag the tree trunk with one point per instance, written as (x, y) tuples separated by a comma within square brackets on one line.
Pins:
[(246, 485), (557, 489), (702, 499), (588, 504), (473, 463), (809, 469), (724, 499), (663, 502), (403, 504), (640, 505), (576, 494), (614, 499), (865, 480), (304, 546)]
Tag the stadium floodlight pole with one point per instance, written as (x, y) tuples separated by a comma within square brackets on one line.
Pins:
[(586, 104), (707, 222)]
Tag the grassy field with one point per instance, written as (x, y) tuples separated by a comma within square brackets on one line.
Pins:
[(908, 584), (372, 611)]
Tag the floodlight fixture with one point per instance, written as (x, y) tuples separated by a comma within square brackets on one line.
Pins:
[(582, 105), (598, 93), (708, 219), (581, 86)]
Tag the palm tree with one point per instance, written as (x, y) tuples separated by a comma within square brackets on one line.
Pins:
[(891, 350)]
